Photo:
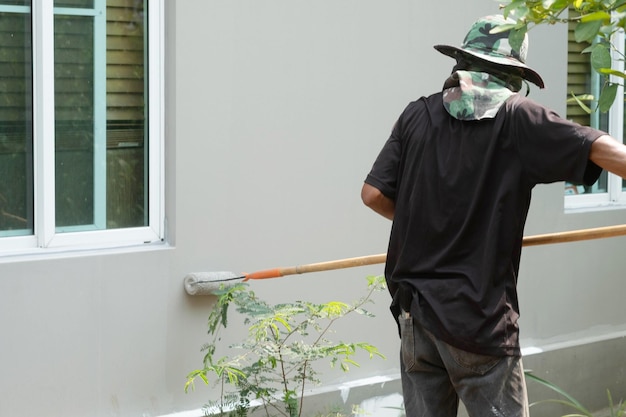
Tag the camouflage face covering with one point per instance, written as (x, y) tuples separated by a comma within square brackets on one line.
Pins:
[(471, 95)]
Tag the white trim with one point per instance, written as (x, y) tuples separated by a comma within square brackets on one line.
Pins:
[(105, 238), (616, 114), (38, 254), (100, 115), (198, 412), (343, 388), (573, 340), (586, 200), (9, 245), (156, 116), (43, 121)]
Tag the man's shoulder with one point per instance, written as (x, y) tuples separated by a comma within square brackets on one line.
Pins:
[(431, 102), (517, 100)]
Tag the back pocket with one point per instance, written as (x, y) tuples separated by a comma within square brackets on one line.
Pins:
[(473, 362), (407, 338)]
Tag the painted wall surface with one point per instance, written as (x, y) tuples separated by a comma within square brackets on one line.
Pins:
[(275, 112)]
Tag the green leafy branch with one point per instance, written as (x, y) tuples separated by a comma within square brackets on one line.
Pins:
[(596, 22), (282, 343), (615, 410)]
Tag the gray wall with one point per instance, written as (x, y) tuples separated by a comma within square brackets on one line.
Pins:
[(274, 113)]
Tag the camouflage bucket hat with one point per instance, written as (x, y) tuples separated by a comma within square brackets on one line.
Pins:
[(481, 42)]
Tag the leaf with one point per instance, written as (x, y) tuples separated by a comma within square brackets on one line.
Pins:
[(363, 312), (516, 8), (503, 28), (516, 38), (586, 31), (565, 403), (334, 309), (234, 374), (600, 57), (609, 71), (371, 350), (571, 401), (601, 15), (587, 49), (191, 378), (377, 282), (582, 105), (351, 361), (607, 97), (283, 322), (555, 5)]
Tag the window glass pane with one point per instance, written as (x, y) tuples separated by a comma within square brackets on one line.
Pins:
[(74, 3), (126, 98), (15, 3), (100, 117), (16, 161), (74, 114)]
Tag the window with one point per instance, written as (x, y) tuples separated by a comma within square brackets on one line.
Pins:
[(80, 123), (609, 190)]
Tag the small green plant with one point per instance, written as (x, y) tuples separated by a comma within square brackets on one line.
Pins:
[(615, 410), (276, 358)]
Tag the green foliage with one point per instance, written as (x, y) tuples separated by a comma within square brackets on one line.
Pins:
[(274, 363), (616, 410), (596, 22)]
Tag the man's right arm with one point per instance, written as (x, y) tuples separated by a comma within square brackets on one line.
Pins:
[(609, 154), (377, 201)]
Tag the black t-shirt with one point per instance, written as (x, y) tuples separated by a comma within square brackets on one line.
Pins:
[(462, 191)]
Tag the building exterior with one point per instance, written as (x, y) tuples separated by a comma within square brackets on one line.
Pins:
[(208, 135)]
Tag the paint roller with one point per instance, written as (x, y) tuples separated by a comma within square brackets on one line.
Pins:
[(206, 283)]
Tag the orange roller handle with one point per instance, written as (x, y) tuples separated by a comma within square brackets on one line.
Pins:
[(317, 267), (265, 274)]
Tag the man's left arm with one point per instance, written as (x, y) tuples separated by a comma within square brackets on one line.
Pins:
[(373, 198)]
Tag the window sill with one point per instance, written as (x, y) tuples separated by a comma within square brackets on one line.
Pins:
[(38, 254), (594, 207)]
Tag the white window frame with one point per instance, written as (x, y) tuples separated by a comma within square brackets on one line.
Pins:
[(47, 238), (615, 197)]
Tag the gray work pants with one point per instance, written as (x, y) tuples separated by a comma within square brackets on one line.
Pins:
[(436, 375)]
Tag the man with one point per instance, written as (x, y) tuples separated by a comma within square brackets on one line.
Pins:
[(456, 177)]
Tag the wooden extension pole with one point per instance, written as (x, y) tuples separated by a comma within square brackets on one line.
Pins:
[(549, 238), (575, 235)]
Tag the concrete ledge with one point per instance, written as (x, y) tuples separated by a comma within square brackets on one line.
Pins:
[(586, 371)]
